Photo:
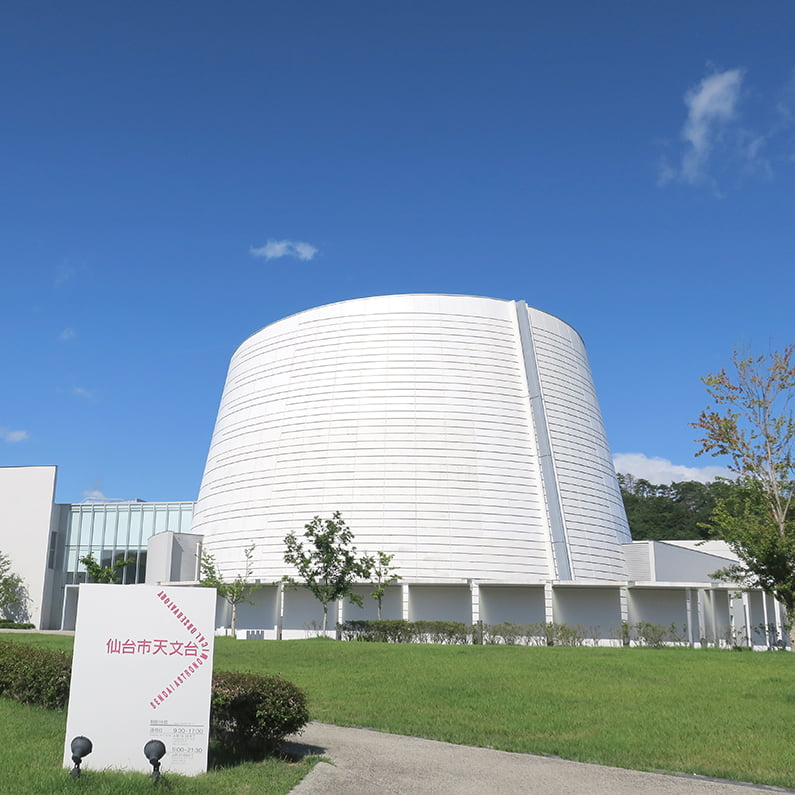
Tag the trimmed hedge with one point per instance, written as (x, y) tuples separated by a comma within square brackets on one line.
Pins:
[(399, 631), (6, 624), (35, 675), (458, 633), (250, 715)]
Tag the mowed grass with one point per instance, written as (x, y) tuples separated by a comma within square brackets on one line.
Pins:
[(715, 713), (31, 745), (31, 749)]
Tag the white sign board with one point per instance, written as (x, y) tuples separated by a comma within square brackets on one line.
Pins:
[(142, 670)]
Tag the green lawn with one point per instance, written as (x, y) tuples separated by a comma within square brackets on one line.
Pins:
[(716, 713), (31, 745)]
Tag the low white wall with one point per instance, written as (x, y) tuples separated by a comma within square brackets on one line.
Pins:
[(657, 606), (391, 605), (440, 603), (263, 614), (596, 609), (517, 604)]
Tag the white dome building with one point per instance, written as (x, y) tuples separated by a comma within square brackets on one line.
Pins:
[(460, 434)]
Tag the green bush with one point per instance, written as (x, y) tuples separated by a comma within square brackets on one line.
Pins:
[(6, 624), (382, 631), (452, 632), (399, 631), (656, 635), (250, 715), (35, 675)]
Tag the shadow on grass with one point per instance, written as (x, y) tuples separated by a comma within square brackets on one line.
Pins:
[(221, 757)]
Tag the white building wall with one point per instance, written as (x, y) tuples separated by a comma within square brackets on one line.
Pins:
[(28, 517), (410, 415), (666, 561)]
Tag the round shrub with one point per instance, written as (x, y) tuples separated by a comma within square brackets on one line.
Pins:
[(35, 675), (250, 715)]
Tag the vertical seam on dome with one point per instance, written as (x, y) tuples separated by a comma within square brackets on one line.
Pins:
[(557, 525)]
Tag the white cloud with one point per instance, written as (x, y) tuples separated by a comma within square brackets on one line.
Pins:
[(12, 437), (661, 470), (94, 494), (78, 392), (711, 106), (64, 273), (718, 144), (275, 249), (67, 334)]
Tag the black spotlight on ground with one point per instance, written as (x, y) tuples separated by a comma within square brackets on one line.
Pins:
[(80, 747), (154, 751)]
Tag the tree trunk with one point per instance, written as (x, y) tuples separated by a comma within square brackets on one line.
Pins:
[(234, 620), (325, 617)]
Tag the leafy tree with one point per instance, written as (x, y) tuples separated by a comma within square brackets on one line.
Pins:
[(669, 512), (13, 594), (752, 423), (235, 592), (106, 574), (382, 575), (326, 562)]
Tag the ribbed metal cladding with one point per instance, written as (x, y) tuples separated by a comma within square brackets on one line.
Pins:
[(410, 414)]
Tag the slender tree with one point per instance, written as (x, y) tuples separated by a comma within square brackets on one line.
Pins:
[(752, 424), (326, 561), (382, 575), (105, 574), (233, 593)]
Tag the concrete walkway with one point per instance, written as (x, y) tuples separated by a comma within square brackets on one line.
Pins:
[(365, 762)]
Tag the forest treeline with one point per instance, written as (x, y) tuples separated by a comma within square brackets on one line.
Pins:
[(669, 512)]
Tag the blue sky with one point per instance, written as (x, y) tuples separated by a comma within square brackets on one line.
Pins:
[(177, 175)]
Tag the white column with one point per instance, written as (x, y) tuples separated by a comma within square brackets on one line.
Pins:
[(766, 619), (712, 599), (549, 613), (747, 619), (279, 610), (779, 623), (474, 590), (623, 598)]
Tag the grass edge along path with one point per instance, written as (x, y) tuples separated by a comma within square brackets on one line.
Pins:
[(715, 713)]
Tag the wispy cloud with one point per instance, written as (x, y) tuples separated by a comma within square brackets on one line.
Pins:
[(63, 273), (79, 392), (275, 249), (711, 112), (12, 437), (661, 470), (711, 106), (67, 334), (717, 141), (94, 494)]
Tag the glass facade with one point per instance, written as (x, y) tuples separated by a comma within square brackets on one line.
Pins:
[(113, 532)]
